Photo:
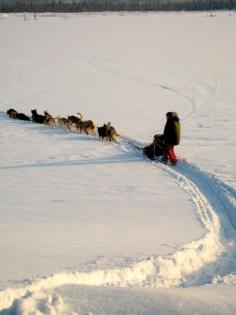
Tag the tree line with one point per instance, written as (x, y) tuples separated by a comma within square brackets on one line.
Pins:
[(112, 5)]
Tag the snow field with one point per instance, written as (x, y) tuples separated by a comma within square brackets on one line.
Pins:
[(65, 196), (59, 186), (170, 271)]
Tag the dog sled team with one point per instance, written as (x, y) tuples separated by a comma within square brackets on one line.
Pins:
[(73, 123), (161, 148)]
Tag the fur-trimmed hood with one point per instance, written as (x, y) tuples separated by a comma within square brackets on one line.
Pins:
[(172, 115)]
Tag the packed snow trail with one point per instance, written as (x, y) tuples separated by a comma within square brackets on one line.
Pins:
[(216, 198), (186, 267)]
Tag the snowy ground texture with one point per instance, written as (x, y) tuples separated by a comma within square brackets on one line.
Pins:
[(90, 227)]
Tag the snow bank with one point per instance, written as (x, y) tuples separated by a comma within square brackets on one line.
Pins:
[(4, 15), (38, 303), (228, 279), (156, 272)]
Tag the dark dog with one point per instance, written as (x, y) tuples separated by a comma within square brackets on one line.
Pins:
[(12, 113), (102, 131), (108, 132), (37, 118)]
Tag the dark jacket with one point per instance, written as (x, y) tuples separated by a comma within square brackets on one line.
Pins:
[(172, 129)]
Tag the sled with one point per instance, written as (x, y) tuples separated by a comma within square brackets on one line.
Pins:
[(155, 149)]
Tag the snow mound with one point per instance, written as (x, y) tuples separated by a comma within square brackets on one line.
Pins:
[(38, 303), (4, 15), (228, 279)]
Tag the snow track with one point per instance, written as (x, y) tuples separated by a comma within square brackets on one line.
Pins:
[(199, 262)]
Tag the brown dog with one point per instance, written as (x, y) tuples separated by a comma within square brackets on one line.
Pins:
[(75, 119), (86, 126), (61, 121), (49, 120)]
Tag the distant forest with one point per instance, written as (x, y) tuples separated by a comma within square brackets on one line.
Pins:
[(112, 5)]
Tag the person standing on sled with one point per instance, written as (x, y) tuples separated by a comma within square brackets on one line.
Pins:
[(172, 137)]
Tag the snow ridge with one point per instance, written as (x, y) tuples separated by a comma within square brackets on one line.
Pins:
[(217, 214), (184, 268), (37, 303)]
